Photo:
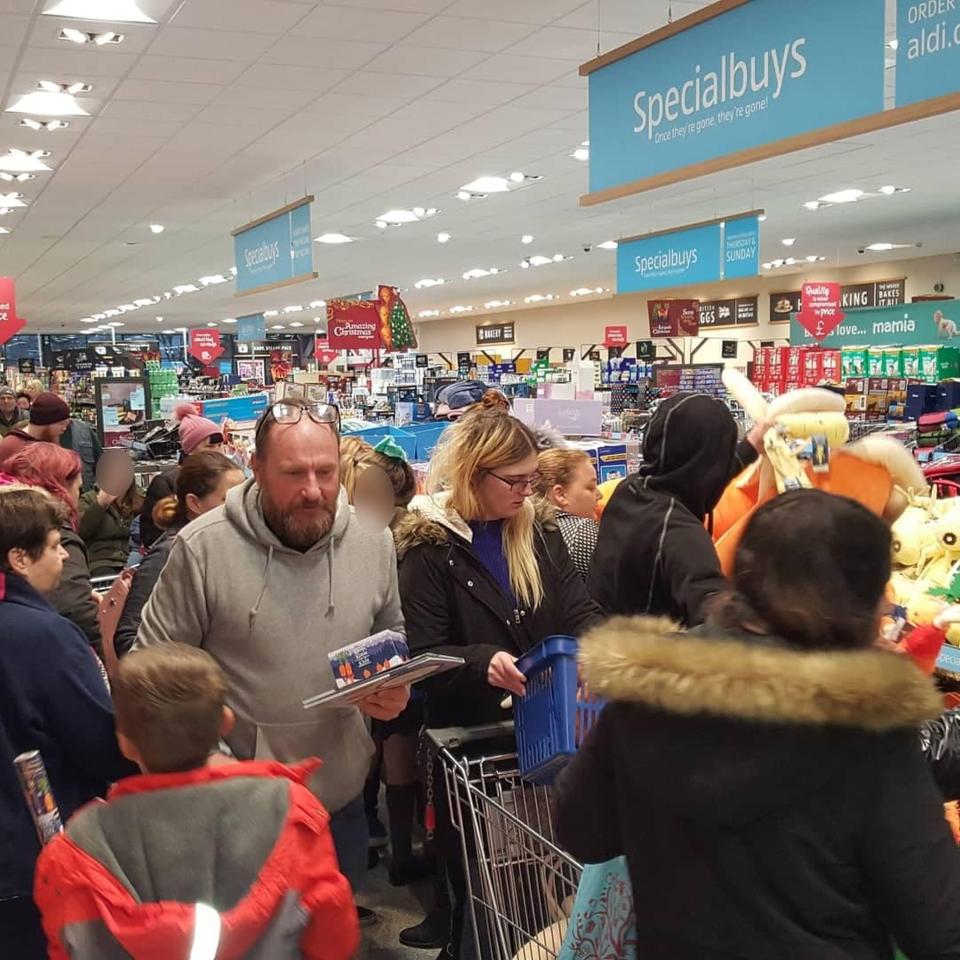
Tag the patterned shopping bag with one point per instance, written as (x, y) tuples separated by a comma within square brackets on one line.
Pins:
[(603, 925)]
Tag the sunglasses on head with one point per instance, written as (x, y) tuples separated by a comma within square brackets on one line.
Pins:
[(292, 411)]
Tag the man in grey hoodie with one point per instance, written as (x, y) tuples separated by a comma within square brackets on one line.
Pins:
[(271, 582)]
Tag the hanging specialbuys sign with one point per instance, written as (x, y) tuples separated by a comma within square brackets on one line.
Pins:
[(746, 80), (274, 250)]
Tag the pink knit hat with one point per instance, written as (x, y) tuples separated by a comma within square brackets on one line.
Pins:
[(193, 429)]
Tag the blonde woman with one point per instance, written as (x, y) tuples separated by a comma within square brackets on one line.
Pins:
[(569, 482), (483, 578)]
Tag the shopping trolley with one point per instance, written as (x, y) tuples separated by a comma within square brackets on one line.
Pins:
[(520, 884)]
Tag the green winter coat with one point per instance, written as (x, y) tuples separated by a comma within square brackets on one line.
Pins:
[(106, 533)]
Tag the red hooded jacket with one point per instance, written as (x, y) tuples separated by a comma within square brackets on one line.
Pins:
[(247, 839)]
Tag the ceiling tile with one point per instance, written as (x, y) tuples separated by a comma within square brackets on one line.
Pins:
[(425, 61), (343, 104), (519, 11), (485, 92), (13, 29), (187, 69), (274, 76), (252, 118), (211, 44), (408, 6), (555, 98), (284, 102), (143, 110), (74, 62), (253, 16), (167, 91), (562, 42), (348, 23), (462, 33), (516, 69), (387, 84), (315, 51)]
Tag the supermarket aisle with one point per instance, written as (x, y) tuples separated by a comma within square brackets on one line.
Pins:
[(397, 908)]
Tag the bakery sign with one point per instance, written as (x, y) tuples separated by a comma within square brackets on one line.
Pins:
[(741, 312), (494, 333), (853, 296)]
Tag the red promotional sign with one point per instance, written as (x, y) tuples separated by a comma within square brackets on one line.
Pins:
[(205, 345), (614, 336), (10, 323), (322, 351), (353, 325), (820, 312), (674, 318)]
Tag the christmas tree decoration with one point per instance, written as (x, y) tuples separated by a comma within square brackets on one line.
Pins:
[(396, 329)]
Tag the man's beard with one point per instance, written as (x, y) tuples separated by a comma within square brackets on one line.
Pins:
[(293, 531)]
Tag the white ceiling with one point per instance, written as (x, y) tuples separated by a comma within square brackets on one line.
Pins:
[(227, 109)]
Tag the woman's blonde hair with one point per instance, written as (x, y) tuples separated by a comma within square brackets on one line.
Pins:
[(556, 469), (485, 441)]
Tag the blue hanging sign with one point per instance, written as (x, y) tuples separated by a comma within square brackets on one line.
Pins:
[(736, 79), (251, 328), (928, 49), (274, 250), (723, 250)]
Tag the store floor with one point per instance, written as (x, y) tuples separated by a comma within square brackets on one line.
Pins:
[(396, 907)]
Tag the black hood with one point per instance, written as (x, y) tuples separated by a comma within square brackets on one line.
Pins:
[(689, 451)]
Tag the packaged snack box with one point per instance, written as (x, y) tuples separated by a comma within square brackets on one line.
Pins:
[(910, 361), (854, 362), (366, 658)]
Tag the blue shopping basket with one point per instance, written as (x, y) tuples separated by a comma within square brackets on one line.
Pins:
[(556, 714)]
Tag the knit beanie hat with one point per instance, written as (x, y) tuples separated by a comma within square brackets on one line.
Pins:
[(48, 408), (193, 429)]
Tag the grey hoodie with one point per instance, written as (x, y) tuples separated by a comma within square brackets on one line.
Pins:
[(269, 615)]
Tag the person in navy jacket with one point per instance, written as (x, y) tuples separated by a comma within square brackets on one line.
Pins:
[(53, 698)]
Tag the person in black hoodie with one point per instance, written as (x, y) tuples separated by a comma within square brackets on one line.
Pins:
[(654, 555), (762, 773)]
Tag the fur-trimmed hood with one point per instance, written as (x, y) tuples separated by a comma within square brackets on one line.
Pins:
[(646, 661), (430, 520), (725, 731)]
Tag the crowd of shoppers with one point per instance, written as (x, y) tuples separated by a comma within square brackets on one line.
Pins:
[(760, 772)]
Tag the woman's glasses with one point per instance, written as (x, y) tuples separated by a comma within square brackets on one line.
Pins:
[(518, 484), (286, 411)]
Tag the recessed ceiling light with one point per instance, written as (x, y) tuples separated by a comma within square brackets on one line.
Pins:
[(443, 238), (293, 308), (788, 241), (812, 258), (460, 308), (889, 191), (581, 153), (317, 304), (318, 319), (115, 11), (608, 245), (539, 297), (271, 313), (185, 288), (142, 302), (398, 217), (527, 238), (19, 161), (89, 319), (278, 326), (883, 246), (296, 323), (762, 218), (585, 291), (212, 323), (429, 313), (80, 37), (4, 230), (229, 319), (116, 323), (16, 177), (168, 333), (478, 272), (487, 185), (181, 329), (814, 204), (493, 304), (213, 280), (333, 238), (156, 228), (843, 196), (10, 200), (428, 282), (45, 102), (893, 44)]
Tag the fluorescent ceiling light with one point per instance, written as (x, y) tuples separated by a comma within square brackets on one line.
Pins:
[(88, 319), (296, 323), (114, 11), (47, 104), (80, 37), (318, 319), (17, 177), (143, 302), (788, 241), (116, 323), (762, 218), (894, 44), (293, 308), (213, 280), (882, 247), (581, 153), (168, 333), (429, 313), (156, 228), (478, 272), (4, 230), (487, 185), (843, 196), (527, 238), (333, 238), (271, 313), (460, 308), (316, 304), (398, 217), (19, 161), (11, 200), (212, 323), (181, 329), (493, 304), (229, 319), (278, 326), (814, 204), (889, 191), (585, 291), (443, 238), (538, 298), (74, 36), (608, 245), (428, 282), (185, 288)]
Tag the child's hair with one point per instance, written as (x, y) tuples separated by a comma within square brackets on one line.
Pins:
[(356, 455), (812, 569), (556, 469), (50, 466), (169, 702), (28, 515), (475, 445), (200, 475), (493, 400)]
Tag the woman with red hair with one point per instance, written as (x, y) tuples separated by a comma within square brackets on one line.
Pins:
[(60, 473)]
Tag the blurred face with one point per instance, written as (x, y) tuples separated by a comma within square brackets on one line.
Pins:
[(43, 573), (8, 404), (580, 496), (52, 432), (298, 472), (502, 492), (23, 403), (197, 506), (373, 498), (213, 442)]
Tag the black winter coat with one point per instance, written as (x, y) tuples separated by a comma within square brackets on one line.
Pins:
[(940, 742), (771, 803), (654, 554), (452, 605), (163, 485), (144, 579), (73, 596)]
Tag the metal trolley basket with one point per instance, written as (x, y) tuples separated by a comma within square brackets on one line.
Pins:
[(520, 884)]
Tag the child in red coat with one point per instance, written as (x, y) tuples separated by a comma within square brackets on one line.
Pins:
[(233, 861)]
